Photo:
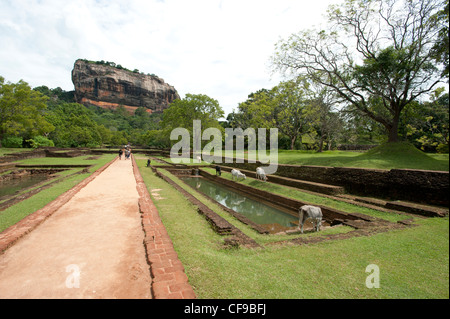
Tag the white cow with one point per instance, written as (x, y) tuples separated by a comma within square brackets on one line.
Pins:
[(236, 174), (310, 212), (260, 174)]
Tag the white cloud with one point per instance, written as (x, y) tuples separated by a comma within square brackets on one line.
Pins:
[(218, 48)]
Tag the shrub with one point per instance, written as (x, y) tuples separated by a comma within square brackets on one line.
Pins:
[(40, 141), (12, 142), (442, 148)]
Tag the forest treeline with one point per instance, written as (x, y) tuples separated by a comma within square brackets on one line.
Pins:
[(49, 117)]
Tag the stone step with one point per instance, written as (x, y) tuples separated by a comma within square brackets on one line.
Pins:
[(413, 208), (402, 206)]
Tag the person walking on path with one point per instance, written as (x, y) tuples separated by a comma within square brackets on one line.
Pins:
[(120, 153)]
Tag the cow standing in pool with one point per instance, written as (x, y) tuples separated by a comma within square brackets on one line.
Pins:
[(310, 212)]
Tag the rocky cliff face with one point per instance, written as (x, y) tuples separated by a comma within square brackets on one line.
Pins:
[(110, 87)]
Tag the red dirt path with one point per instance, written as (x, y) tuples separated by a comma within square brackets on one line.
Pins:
[(98, 232)]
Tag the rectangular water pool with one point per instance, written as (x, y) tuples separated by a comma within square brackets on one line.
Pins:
[(258, 212)]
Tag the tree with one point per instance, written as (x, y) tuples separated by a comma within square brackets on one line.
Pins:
[(360, 129), (22, 111), (441, 48), (389, 65), (327, 121), (257, 111), (74, 126), (182, 113), (293, 114), (427, 126)]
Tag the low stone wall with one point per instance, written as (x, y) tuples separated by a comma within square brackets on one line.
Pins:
[(420, 186), (27, 172), (22, 155), (355, 147), (67, 153)]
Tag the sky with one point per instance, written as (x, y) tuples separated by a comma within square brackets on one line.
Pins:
[(220, 48)]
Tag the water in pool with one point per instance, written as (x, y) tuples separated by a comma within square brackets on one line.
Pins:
[(258, 212), (10, 187)]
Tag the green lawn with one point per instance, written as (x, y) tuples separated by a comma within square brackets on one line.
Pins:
[(413, 262), (6, 151), (79, 160), (388, 156), (398, 155)]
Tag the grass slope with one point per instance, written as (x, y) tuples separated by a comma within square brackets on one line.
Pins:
[(385, 156)]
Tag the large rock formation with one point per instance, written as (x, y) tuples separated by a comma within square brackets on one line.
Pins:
[(108, 86)]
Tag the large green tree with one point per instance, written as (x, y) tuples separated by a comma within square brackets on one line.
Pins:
[(22, 111), (293, 109), (182, 113), (376, 56), (75, 127), (257, 111)]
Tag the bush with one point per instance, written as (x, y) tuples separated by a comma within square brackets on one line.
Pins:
[(40, 141), (442, 148), (12, 142), (156, 138)]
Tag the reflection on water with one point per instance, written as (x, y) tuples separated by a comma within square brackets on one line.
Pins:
[(12, 186), (254, 210)]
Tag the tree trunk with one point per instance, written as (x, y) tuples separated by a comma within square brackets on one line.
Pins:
[(293, 139), (320, 145), (393, 129)]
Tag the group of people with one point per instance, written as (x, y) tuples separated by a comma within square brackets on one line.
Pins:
[(125, 151)]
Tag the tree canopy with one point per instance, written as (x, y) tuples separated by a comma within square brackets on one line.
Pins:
[(182, 113), (376, 56), (22, 111)]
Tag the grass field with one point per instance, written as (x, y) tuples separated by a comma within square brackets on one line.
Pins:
[(413, 262), (388, 156)]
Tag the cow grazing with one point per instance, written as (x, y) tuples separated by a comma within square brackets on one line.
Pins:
[(236, 174), (260, 174), (310, 212)]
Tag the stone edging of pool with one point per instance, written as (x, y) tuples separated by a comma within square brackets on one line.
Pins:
[(363, 225), (169, 280)]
